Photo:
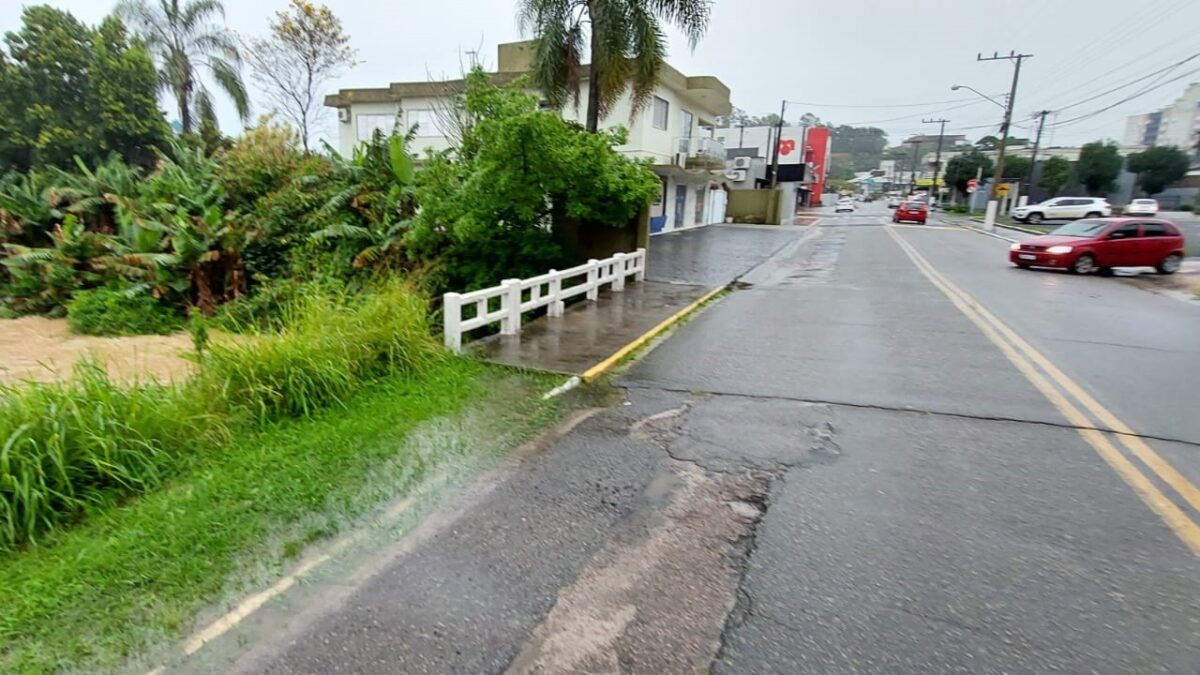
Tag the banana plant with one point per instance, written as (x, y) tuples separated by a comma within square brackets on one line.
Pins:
[(376, 199)]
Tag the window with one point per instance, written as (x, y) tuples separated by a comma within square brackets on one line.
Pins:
[(367, 124), (661, 113), (1127, 231), (426, 121), (686, 119), (1154, 230)]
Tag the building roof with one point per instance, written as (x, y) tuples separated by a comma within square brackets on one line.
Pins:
[(515, 60)]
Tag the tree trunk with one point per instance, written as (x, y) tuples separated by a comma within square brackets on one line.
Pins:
[(202, 281), (185, 102), (593, 102)]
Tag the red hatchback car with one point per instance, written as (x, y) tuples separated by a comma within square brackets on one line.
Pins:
[(916, 212), (1100, 244)]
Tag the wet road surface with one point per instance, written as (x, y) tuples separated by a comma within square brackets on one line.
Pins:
[(834, 469)]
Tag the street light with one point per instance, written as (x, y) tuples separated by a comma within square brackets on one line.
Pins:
[(963, 86)]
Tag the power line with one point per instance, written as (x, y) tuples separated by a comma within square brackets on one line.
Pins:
[(914, 115), (898, 105), (1137, 94), (1102, 94)]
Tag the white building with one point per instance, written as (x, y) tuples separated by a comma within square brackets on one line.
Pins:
[(1177, 124), (674, 130)]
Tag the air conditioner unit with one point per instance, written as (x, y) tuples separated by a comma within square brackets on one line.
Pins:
[(344, 115), (737, 175), (741, 162), (681, 160)]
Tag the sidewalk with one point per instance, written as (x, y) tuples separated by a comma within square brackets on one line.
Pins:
[(682, 268)]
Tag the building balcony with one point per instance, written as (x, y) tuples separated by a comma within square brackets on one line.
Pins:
[(700, 153)]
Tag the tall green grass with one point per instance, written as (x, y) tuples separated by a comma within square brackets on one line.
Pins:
[(69, 445), (331, 345)]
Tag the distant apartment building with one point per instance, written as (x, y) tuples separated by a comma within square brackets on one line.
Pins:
[(674, 129), (1177, 124)]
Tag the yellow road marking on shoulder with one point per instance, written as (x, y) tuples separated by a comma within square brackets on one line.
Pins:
[(996, 331), (1128, 437)]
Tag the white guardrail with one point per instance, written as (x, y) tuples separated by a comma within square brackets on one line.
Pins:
[(548, 290)]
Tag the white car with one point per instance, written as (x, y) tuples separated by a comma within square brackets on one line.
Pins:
[(1063, 208), (844, 204), (1142, 207), (893, 202)]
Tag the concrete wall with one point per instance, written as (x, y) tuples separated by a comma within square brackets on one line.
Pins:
[(753, 206)]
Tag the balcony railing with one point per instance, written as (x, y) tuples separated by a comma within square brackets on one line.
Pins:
[(701, 153)]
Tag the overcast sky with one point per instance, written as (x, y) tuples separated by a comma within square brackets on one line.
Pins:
[(894, 60)]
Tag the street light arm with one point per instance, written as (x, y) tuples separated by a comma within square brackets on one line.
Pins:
[(980, 93)]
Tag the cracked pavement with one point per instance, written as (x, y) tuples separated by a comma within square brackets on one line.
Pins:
[(830, 470)]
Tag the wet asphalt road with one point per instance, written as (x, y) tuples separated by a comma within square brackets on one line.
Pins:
[(831, 470)]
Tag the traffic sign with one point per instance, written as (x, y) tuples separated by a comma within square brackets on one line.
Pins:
[(971, 185), (1002, 189)]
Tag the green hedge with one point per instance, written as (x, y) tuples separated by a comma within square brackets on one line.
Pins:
[(118, 311)]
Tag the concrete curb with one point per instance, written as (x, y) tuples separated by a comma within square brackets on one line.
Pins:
[(594, 373), (971, 228)]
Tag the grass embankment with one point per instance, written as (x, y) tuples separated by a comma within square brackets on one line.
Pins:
[(128, 509)]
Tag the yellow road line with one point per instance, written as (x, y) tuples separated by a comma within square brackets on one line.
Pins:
[(1184, 527), (1126, 435), (599, 369)]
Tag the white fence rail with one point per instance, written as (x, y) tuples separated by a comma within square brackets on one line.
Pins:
[(549, 290)]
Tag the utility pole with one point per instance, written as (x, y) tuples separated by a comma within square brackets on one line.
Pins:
[(775, 149), (1037, 142), (1008, 109), (937, 162), (912, 182)]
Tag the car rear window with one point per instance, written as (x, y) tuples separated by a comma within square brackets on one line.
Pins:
[(1144, 202), (914, 206), (1157, 230)]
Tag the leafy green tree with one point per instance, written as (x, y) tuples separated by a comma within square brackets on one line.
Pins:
[(864, 145), (184, 39), (1098, 166), (1016, 168), (305, 48), (68, 90), (524, 174), (964, 167), (625, 44), (1056, 173), (1158, 167)]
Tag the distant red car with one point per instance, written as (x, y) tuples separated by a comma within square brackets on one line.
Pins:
[(916, 212), (1100, 244)]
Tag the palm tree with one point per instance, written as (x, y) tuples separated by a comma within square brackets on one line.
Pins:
[(626, 46), (184, 39)]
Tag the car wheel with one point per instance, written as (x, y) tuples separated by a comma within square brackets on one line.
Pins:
[(1084, 264), (1093, 214), (1170, 264), (1033, 218)]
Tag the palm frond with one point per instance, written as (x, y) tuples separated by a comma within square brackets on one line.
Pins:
[(229, 79)]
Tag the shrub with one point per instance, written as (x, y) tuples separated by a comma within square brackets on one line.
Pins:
[(120, 311), (74, 444), (1186, 207)]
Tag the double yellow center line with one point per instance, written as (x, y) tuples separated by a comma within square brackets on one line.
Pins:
[(1069, 398)]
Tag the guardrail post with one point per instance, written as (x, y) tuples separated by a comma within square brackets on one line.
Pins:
[(452, 321), (593, 279), (620, 265), (640, 265), (510, 304), (556, 306)]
